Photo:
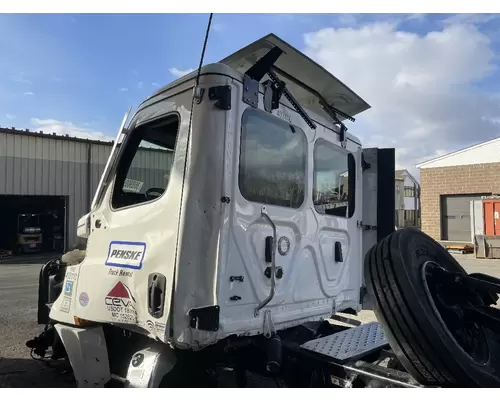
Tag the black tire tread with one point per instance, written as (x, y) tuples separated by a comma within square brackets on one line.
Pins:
[(385, 309), (419, 353), (404, 320)]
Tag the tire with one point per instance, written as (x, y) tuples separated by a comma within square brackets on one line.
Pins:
[(413, 326)]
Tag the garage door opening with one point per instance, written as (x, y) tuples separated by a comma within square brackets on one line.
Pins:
[(456, 218), (33, 224)]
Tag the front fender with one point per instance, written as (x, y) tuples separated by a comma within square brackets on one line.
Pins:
[(88, 354)]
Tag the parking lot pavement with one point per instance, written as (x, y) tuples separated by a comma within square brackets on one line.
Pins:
[(18, 306), (18, 300), (472, 264)]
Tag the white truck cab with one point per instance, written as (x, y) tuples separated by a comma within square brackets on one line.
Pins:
[(234, 206)]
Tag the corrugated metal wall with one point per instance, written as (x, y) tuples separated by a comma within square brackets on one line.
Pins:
[(44, 165)]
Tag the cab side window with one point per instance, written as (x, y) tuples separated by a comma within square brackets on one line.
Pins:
[(145, 165), (273, 164), (334, 180)]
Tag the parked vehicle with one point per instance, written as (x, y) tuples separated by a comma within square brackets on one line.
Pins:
[(29, 233)]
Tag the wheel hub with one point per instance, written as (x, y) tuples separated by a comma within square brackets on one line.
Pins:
[(458, 305)]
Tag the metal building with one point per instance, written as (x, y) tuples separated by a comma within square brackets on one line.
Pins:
[(58, 175)]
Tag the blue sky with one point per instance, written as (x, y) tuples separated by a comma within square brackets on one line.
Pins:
[(79, 73)]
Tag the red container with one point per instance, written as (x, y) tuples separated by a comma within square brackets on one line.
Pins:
[(491, 217)]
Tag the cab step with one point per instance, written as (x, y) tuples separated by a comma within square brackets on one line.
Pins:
[(349, 345)]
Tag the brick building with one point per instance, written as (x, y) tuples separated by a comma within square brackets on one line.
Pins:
[(449, 183)]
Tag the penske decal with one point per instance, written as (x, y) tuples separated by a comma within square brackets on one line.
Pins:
[(126, 254)]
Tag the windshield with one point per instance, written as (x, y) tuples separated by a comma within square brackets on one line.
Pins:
[(28, 222)]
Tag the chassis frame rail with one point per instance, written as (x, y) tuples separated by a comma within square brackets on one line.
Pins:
[(371, 370)]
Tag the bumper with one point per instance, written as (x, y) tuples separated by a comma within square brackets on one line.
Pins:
[(30, 247)]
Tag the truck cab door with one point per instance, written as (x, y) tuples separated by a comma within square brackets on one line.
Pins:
[(379, 207), (127, 275)]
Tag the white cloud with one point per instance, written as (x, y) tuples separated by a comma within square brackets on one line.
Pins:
[(140, 85), (419, 86), (68, 128), (180, 72), (10, 116), (29, 93), (123, 89), (155, 84)]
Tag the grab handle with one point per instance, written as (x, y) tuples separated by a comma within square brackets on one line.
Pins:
[(273, 264)]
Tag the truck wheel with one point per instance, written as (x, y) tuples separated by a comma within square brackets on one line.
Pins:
[(419, 313)]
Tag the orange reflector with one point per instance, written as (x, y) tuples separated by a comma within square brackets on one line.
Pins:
[(82, 322)]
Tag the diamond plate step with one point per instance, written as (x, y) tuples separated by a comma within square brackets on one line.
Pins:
[(350, 344)]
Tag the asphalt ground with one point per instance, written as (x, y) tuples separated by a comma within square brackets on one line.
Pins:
[(18, 307)]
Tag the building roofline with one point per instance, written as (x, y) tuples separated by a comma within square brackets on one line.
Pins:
[(409, 176), (474, 146), (41, 134)]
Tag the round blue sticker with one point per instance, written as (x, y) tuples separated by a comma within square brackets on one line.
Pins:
[(84, 299)]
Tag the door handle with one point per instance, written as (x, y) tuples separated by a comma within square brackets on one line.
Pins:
[(156, 294), (339, 257), (268, 253)]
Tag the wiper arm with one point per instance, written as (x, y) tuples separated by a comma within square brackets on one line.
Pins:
[(328, 108), (265, 65), (281, 87), (332, 112)]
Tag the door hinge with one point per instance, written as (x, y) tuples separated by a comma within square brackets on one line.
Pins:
[(198, 94), (250, 91), (360, 224), (223, 96)]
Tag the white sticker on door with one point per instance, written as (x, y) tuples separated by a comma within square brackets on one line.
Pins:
[(126, 254), (66, 304)]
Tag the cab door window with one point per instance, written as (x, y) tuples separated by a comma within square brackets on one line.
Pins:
[(334, 180), (143, 172)]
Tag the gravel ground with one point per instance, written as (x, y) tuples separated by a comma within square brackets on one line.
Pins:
[(18, 299)]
